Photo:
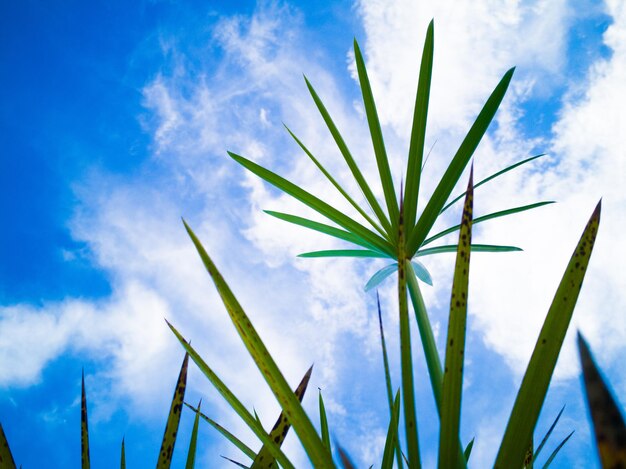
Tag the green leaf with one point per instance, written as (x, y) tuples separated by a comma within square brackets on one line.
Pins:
[(468, 449), (608, 421), (237, 406), (392, 434), (84, 427), (123, 456), (322, 228), (316, 204), (343, 148), (288, 401), (381, 275), (457, 165), (173, 418), (377, 139), (450, 455), (264, 459), (489, 178), (6, 457), (324, 422), (489, 216), (547, 435), (345, 253), (336, 184), (421, 272), (473, 248), (537, 378), (418, 130), (556, 451), (191, 453), (228, 435), (236, 463)]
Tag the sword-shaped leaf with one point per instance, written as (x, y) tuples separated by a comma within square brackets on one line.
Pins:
[(489, 178), (288, 401), (343, 148), (6, 457), (547, 435), (337, 185), (457, 165), (450, 454), (391, 442), (381, 275), (228, 435), (418, 130), (324, 422), (173, 418), (489, 216), (123, 456), (537, 378), (84, 427), (608, 421), (322, 228), (315, 203), (345, 253), (236, 463), (473, 248), (191, 453), (556, 451), (264, 459), (235, 403), (377, 139)]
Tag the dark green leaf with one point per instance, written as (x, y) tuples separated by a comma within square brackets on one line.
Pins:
[(547, 435), (235, 462), (556, 451), (84, 427), (173, 418), (392, 434), (537, 378), (468, 449), (6, 457), (123, 456)]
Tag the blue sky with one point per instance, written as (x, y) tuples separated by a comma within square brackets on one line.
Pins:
[(114, 123)]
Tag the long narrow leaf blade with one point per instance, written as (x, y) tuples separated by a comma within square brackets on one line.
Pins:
[(450, 454), (343, 148), (193, 443), (322, 228), (345, 458), (537, 378), (315, 203), (457, 165), (381, 275), (123, 456), (473, 248), (489, 216), (278, 384), (324, 422), (608, 421), (236, 463), (418, 130), (392, 434), (547, 435), (84, 427), (232, 400), (173, 418), (228, 435), (489, 178), (264, 459), (336, 184), (6, 457), (345, 253), (468, 449), (377, 138), (556, 451)]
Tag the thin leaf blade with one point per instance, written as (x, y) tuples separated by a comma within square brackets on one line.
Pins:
[(6, 457), (392, 434), (362, 253), (556, 451), (84, 427), (193, 443), (324, 422), (473, 248)]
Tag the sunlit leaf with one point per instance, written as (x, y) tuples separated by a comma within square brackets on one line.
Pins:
[(345, 253), (391, 443), (421, 272), (191, 453), (537, 378), (473, 248), (381, 275), (324, 422)]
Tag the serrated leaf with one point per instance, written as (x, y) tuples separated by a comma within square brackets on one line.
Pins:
[(489, 178), (457, 165), (450, 455), (173, 418), (537, 378), (84, 427), (381, 275), (556, 451), (421, 272), (473, 248), (288, 401), (490, 216), (345, 253), (377, 139), (418, 130), (264, 459), (191, 453), (315, 203), (608, 421), (6, 457), (343, 148)]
